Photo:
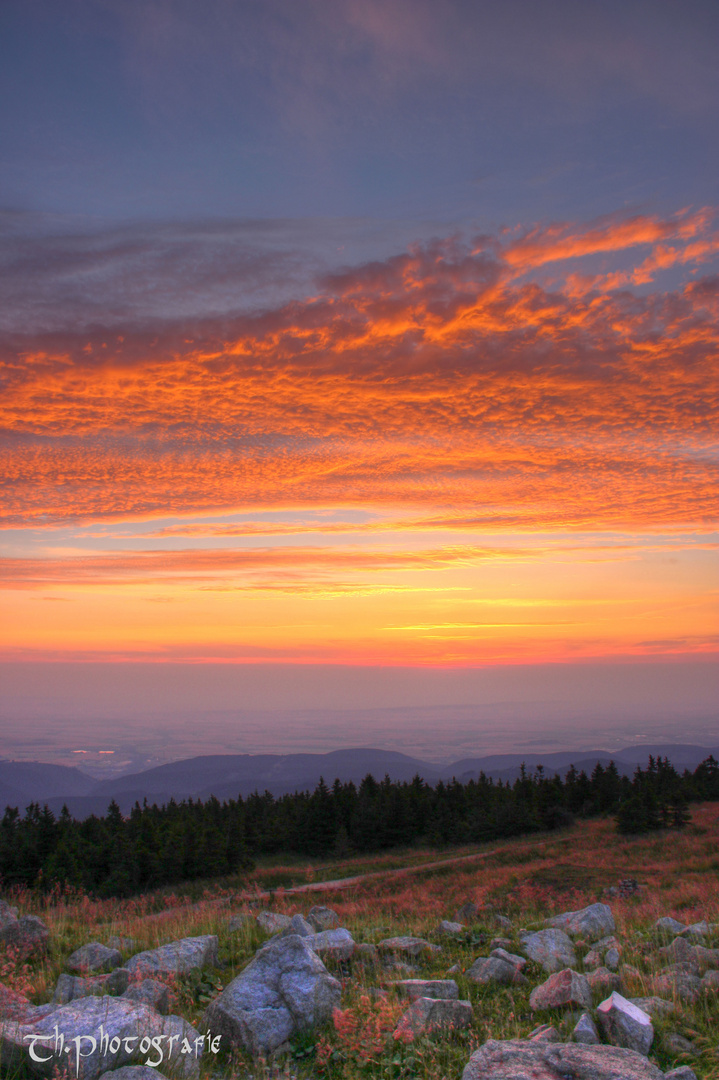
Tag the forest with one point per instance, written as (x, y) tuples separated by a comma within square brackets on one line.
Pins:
[(163, 845)]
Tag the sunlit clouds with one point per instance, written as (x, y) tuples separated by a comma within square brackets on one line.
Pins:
[(479, 449)]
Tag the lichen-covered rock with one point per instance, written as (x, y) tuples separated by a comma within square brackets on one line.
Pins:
[(407, 946), (523, 1059), (552, 949), (323, 918), (625, 1024), (94, 957), (428, 1015), (585, 1031), (430, 988), (589, 923), (493, 969), (285, 989), (176, 958), (102, 1033), (272, 921), (563, 989), (332, 944)]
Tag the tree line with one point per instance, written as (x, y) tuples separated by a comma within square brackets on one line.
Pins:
[(164, 845)]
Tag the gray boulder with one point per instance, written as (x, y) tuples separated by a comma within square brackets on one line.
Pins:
[(446, 989), (71, 987), (603, 980), (522, 1059), (446, 927), (678, 980), (133, 1072), (655, 1007), (468, 913), (240, 921), (150, 992), (332, 944), (625, 1024), (26, 935), (589, 923), (285, 989), (272, 921), (428, 1015), (298, 924), (674, 1043), (585, 1031), (562, 990), (682, 1073), (366, 953), (177, 958), (15, 1006), (545, 1033), (667, 925), (552, 949), (511, 958), (698, 931), (494, 969), (102, 1033), (323, 918), (407, 946), (94, 957)]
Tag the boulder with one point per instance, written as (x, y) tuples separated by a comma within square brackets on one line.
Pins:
[(446, 927), (101, 1033), (502, 922), (152, 993), (124, 944), (624, 1024), (521, 1059), (492, 969), (94, 957), (706, 958), (133, 1072), (674, 1043), (710, 981), (589, 923), (654, 1006), (611, 959), (678, 980), (272, 921), (240, 921), (285, 989), (25, 935), (552, 949), (72, 987), (323, 918), (603, 980), (298, 924), (446, 989), (428, 1015), (682, 1073), (177, 958), (545, 1033), (565, 989), (679, 952), (667, 925), (332, 944), (511, 958), (585, 1031), (407, 946), (468, 913), (700, 930), (592, 960)]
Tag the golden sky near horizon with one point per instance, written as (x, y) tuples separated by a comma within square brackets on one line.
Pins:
[(489, 451)]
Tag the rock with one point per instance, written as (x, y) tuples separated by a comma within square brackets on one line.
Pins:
[(71, 987), (590, 923), (545, 1033), (15, 1006), (103, 1032), (592, 960), (604, 980), (674, 1043), (678, 980), (124, 944), (94, 957), (502, 922), (667, 925), (177, 958), (611, 959), (625, 1024), (468, 913), (366, 953), (133, 1072), (7, 914), (298, 925), (706, 958), (522, 1059), (446, 927), (446, 989), (680, 952), (511, 958), (285, 989), (562, 990), (407, 946), (240, 921), (710, 981), (492, 969), (428, 1015), (272, 921), (654, 1006), (455, 969), (500, 943), (323, 918), (682, 1073), (552, 949), (116, 982), (700, 930), (585, 1031), (152, 993), (26, 935), (333, 944)]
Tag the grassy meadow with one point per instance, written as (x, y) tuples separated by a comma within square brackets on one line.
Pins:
[(526, 879)]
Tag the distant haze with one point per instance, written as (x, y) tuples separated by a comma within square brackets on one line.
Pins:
[(146, 714)]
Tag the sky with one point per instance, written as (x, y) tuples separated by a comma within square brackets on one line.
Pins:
[(362, 343)]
